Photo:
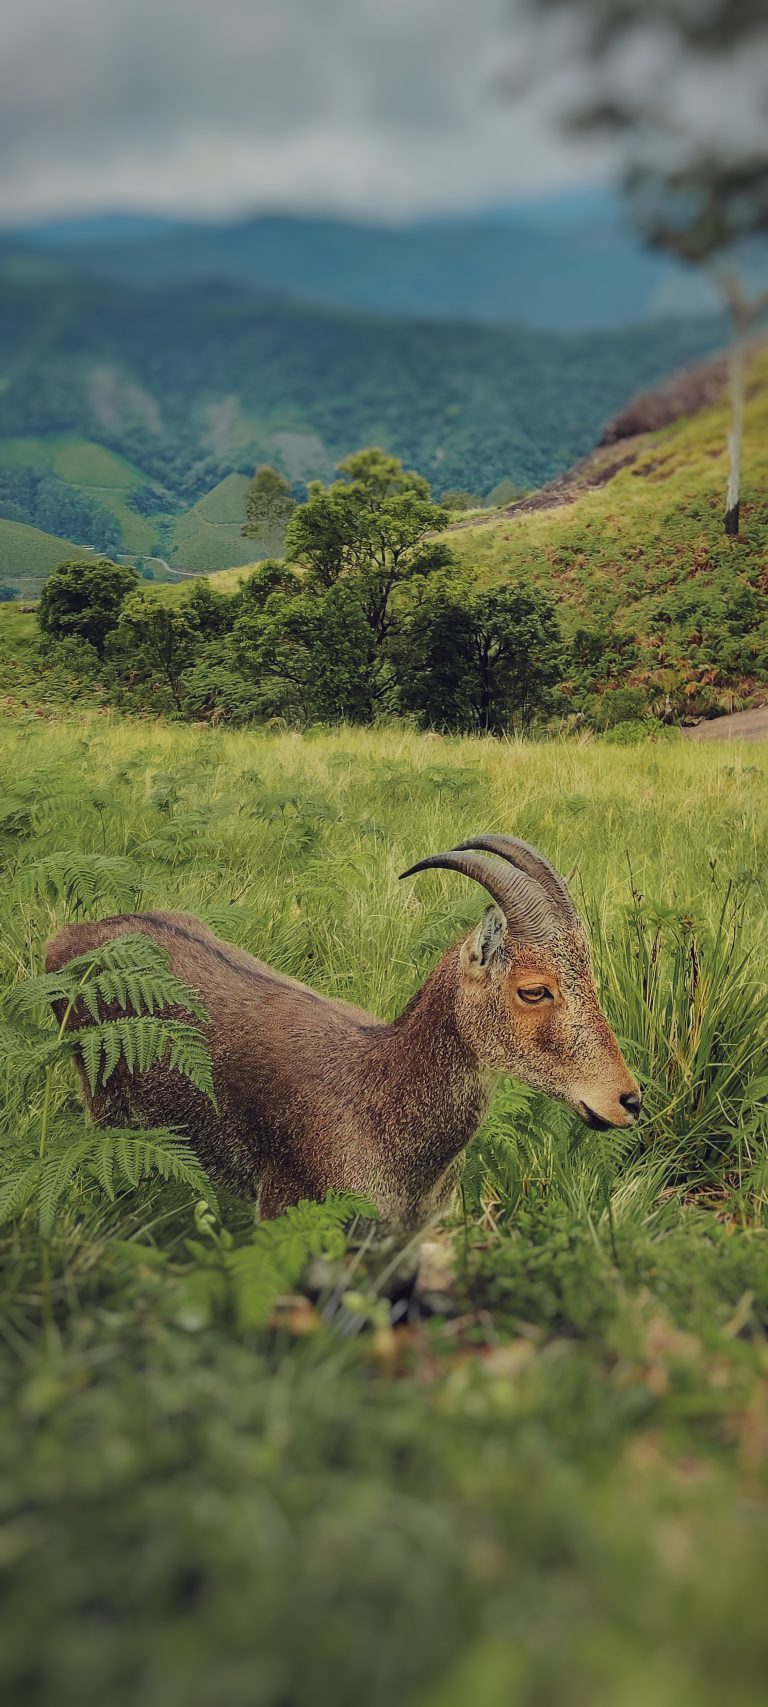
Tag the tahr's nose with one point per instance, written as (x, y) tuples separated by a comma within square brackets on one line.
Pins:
[(632, 1101)]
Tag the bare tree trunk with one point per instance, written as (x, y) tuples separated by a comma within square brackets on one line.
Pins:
[(737, 364), (744, 313)]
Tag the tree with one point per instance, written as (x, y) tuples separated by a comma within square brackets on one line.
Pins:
[(370, 529), (459, 499), (268, 505), (210, 613), (320, 638), (481, 660), (305, 648), (82, 600), (707, 213), (695, 169), (435, 660), (156, 641), (518, 653)]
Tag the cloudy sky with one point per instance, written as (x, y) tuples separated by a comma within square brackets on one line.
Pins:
[(379, 108), (384, 108)]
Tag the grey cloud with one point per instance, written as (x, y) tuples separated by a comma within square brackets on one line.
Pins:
[(367, 107)]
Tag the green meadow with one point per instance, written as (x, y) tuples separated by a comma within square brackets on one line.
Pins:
[(219, 1483)]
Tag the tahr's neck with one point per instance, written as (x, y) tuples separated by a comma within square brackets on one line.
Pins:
[(432, 1088)]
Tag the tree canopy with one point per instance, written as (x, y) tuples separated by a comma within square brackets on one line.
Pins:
[(82, 599)]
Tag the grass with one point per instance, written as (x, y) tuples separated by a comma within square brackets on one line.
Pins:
[(558, 1492)]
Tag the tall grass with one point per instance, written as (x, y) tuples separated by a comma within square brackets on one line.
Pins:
[(293, 846)]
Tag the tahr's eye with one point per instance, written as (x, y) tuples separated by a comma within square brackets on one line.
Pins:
[(535, 993)]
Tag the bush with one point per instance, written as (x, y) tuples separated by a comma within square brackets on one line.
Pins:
[(616, 705), (485, 660), (630, 734), (212, 688)]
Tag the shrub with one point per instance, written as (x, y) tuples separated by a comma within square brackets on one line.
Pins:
[(616, 705)]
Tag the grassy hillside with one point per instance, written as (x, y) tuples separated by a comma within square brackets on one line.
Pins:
[(77, 469), (631, 544), (27, 555), (633, 541), (205, 536), (555, 1492), (208, 536), (108, 477)]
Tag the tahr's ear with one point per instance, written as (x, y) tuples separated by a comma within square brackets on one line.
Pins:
[(478, 950)]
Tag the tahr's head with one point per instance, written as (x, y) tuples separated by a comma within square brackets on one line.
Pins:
[(527, 1003)]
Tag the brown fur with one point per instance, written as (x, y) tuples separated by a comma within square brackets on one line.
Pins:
[(314, 1094)]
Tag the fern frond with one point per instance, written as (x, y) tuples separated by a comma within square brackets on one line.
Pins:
[(18, 1190), (280, 1249), (130, 970), (142, 989), (189, 1055), (129, 952), (81, 881), (124, 1157), (28, 1050), (258, 1278), (25, 1042), (114, 1158), (178, 840), (143, 1041), (102, 1166), (56, 1173), (16, 817), (343, 1207), (40, 991)]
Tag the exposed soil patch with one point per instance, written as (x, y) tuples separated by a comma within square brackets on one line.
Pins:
[(739, 726)]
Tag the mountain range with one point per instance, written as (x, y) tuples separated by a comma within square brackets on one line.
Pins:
[(147, 367), (569, 263)]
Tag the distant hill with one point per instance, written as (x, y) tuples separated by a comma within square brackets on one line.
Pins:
[(563, 264), (208, 534), (123, 405), (27, 556)]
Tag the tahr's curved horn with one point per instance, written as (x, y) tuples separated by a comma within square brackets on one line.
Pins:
[(526, 907), (528, 859)]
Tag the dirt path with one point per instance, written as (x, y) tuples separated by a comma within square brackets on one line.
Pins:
[(740, 726)]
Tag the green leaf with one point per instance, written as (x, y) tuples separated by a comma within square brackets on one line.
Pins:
[(18, 1190), (57, 1172)]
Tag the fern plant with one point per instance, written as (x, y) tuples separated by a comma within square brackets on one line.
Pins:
[(247, 1279), (82, 882), (177, 839), (52, 1151)]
